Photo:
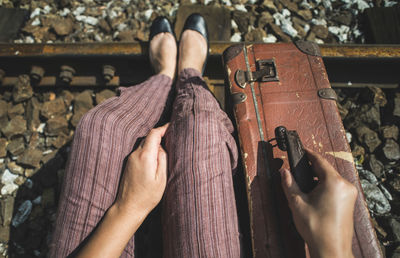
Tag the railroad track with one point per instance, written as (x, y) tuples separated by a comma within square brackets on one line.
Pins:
[(123, 64)]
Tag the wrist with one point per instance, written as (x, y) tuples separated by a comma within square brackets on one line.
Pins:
[(113, 233), (128, 215)]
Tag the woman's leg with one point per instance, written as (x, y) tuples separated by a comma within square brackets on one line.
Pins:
[(199, 211), (103, 138)]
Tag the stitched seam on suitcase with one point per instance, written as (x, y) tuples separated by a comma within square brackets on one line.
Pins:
[(246, 58)]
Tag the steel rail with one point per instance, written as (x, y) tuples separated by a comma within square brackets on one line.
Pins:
[(216, 48), (348, 66)]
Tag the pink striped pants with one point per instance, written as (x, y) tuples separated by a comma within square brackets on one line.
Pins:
[(198, 208)]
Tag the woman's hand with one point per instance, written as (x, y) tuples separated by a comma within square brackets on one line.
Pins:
[(323, 217), (145, 176)]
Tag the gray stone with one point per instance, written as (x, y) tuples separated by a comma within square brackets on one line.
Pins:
[(27, 135), (299, 22), (127, 36), (76, 118), (56, 126), (16, 126), (16, 110), (373, 95), (376, 200), (49, 141), (366, 114), (35, 140), (16, 146), (60, 141), (22, 213), (375, 165), (83, 102), (342, 111), (395, 184), (32, 113), (14, 168), (305, 14), (368, 175), (3, 147), (103, 24), (30, 158), (114, 22), (390, 132), (67, 97), (385, 192), (48, 157), (255, 35), (311, 36), (300, 29), (22, 90), (368, 137), (53, 108), (103, 95), (396, 109), (62, 27), (29, 172), (320, 31), (265, 19), (3, 122), (290, 5), (395, 228), (6, 207), (269, 4), (242, 20), (3, 108), (48, 96), (7, 95), (278, 32), (344, 18), (20, 180), (358, 151), (4, 234), (391, 150)]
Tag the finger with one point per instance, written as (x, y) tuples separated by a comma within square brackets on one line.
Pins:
[(153, 139), (321, 166), (162, 164), (289, 185)]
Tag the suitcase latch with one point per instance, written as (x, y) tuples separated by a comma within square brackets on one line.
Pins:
[(266, 72)]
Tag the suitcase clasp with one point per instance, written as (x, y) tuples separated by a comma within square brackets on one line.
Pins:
[(266, 72)]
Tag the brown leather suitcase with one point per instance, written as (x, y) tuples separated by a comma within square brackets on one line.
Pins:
[(286, 84)]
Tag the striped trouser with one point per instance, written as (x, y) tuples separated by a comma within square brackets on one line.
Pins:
[(198, 208)]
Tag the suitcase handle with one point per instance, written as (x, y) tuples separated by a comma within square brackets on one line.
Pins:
[(299, 165)]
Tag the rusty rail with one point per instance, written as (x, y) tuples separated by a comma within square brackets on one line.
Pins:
[(216, 48), (83, 64)]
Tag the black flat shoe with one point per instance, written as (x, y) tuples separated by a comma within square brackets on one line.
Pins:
[(159, 25), (197, 23)]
